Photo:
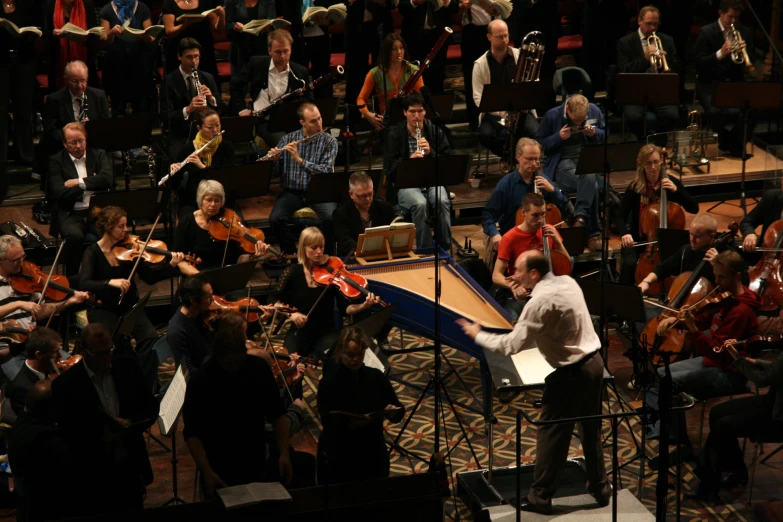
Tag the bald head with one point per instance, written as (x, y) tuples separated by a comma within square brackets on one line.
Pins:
[(523, 261), (497, 33), (496, 25)]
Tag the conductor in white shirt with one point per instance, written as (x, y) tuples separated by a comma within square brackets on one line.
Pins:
[(556, 320), (76, 172)]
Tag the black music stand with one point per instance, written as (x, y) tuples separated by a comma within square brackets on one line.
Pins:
[(127, 322), (285, 119), (372, 325), (139, 204), (121, 134), (745, 96), (333, 188), (647, 89), (229, 278), (248, 180), (238, 129), (421, 173)]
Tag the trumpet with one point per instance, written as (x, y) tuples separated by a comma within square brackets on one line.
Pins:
[(657, 60), (274, 154), (738, 55), (418, 139)]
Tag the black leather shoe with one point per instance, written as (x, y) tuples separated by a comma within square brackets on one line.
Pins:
[(735, 479), (543, 509)]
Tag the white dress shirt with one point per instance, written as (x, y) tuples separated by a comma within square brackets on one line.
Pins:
[(107, 392), (555, 319), (81, 170), (41, 376), (276, 86), (719, 53)]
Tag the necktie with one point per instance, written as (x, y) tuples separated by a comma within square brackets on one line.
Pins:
[(192, 87), (81, 109)]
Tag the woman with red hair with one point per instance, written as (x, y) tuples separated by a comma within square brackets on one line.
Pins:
[(80, 13)]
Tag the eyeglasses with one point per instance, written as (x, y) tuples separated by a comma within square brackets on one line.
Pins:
[(17, 260), (532, 160), (73, 143), (100, 354), (368, 195)]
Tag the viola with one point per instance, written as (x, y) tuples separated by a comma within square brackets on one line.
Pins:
[(130, 248), (229, 227), (765, 277), (660, 214), (68, 363), (11, 330), (334, 273), (246, 306), (32, 279), (687, 290), (283, 365)]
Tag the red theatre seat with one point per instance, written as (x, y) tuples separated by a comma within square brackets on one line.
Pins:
[(224, 70), (43, 81), (337, 59), (453, 53), (569, 44)]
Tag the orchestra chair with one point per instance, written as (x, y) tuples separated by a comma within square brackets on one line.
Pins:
[(573, 80)]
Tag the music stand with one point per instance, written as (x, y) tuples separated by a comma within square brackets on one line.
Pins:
[(284, 118), (333, 188), (372, 325), (421, 173), (127, 322), (247, 180), (121, 134), (574, 239), (647, 89), (745, 96), (140, 203), (229, 278), (385, 243), (622, 157), (238, 129)]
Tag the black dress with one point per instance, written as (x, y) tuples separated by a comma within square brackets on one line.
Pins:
[(245, 45), (201, 31), (127, 67), (191, 238), (56, 68), (348, 452), (190, 175), (319, 334)]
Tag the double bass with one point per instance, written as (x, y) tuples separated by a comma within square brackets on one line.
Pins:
[(660, 214), (688, 289), (765, 277)]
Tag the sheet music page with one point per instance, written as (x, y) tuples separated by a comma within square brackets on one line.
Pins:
[(399, 240), (172, 401), (372, 361), (254, 493), (371, 244), (531, 366)]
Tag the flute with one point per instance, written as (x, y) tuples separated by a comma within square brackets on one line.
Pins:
[(179, 167), (274, 154)]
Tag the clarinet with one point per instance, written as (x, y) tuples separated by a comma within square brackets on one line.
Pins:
[(301, 91), (197, 83), (418, 139)]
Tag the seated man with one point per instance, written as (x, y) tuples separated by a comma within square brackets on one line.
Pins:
[(187, 335), (633, 56), (362, 212), (499, 216), (76, 172), (43, 352), (769, 210), (182, 96), (709, 374), (297, 163), (402, 144), (529, 235), (562, 134)]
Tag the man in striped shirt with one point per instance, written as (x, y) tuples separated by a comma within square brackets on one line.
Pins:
[(302, 154)]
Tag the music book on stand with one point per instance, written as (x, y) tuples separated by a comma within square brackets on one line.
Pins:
[(254, 493), (386, 243), (256, 26), (172, 401)]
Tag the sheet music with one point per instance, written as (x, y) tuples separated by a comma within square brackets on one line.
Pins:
[(399, 240), (254, 493), (531, 366), (372, 361), (172, 402), (371, 244)]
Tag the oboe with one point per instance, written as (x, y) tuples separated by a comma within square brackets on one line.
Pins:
[(418, 139), (197, 83), (273, 155), (179, 167)]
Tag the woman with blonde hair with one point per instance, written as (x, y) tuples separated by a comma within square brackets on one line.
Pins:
[(314, 329), (645, 190)]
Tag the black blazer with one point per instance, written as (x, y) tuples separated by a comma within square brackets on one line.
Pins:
[(59, 112), (19, 388), (630, 53), (178, 97), (397, 149), (709, 68), (769, 209), (61, 169), (78, 410), (348, 223), (256, 73)]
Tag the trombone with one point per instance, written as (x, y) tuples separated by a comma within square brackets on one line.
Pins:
[(657, 60)]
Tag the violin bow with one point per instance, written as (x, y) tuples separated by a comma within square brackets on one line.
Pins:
[(247, 308), (268, 348), (141, 254), (228, 238), (51, 272)]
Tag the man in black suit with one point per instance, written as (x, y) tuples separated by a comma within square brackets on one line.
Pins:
[(714, 64), (270, 77), (43, 350), (182, 97), (103, 405), (363, 211), (76, 172), (633, 56), (421, 28), (76, 102), (401, 145)]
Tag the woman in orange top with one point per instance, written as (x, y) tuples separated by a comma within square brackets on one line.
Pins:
[(397, 70)]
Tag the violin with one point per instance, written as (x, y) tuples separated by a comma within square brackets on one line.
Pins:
[(68, 363), (12, 331), (32, 279), (130, 248), (283, 365), (687, 290), (755, 344), (229, 227), (334, 273), (246, 306), (765, 278), (660, 214)]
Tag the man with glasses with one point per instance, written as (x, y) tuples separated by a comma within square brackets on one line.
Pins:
[(103, 405), (401, 145), (76, 172), (362, 212), (499, 216)]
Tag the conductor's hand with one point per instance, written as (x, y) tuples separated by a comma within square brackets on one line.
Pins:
[(212, 482), (668, 185), (665, 324), (261, 248), (565, 132), (293, 149), (749, 243), (176, 258), (710, 255), (496, 241), (627, 241), (299, 319), (543, 184), (470, 328), (725, 50), (122, 284), (284, 467)]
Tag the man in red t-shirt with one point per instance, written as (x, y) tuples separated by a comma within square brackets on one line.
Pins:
[(521, 238)]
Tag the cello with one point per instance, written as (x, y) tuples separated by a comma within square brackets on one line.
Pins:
[(765, 278), (660, 214), (559, 263), (688, 289)]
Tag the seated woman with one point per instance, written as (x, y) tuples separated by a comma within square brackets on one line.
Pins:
[(192, 233), (219, 153), (103, 275), (646, 190), (80, 13), (353, 448), (313, 332), (127, 68), (397, 70)]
